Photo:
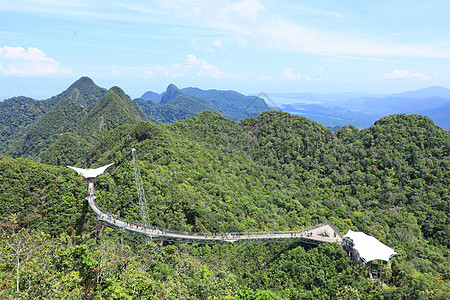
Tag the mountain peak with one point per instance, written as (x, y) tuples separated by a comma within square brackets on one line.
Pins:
[(85, 85), (112, 110), (171, 93), (118, 91), (172, 88)]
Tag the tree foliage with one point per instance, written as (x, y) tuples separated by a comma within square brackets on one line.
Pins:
[(272, 172)]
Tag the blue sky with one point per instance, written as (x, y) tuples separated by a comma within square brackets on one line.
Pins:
[(250, 46)]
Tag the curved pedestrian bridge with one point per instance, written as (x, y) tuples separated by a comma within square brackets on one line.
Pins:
[(321, 233)]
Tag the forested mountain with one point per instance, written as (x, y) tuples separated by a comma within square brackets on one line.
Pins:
[(112, 110), (71, 106), (176, 97), (179, 104), (207, 173), (175, 105), (16, 117), (85, 111), (62, 129), (19, 114), (231, 102)]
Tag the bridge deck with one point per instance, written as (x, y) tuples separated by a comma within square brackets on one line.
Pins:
[(321, 233)]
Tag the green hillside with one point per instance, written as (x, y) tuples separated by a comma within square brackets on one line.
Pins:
[(112, 110), (162, 114), (17, 115), (68, 149), (231, 102), (65, 133), (72, 106), (174, 105), (30, 127), (207, 173)]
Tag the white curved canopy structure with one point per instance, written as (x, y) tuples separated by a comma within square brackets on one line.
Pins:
[(369, 248), (90, 173)]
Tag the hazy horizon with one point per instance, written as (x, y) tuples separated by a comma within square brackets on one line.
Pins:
[(250, 46), (289, 97)]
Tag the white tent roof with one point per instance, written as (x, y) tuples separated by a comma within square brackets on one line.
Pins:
[(370, 248), (90, 173)]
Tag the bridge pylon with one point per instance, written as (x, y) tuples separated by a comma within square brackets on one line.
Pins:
[(140, 189)]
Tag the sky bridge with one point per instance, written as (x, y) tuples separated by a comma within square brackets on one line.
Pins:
[(320, 233)]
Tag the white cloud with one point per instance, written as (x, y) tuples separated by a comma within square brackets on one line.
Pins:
[(251, 23), (142, 72), (248, 22), (264, 77), (203, 67), (218, 44), (419, 75), (16, 61), (191, 59), (184, 8), (397, 74), (288, 36), (320, 72), (208, 10), (192, 65), (289, 74), (69, 3), (406, 74), (246, 8), (315, 12), (166, 72)]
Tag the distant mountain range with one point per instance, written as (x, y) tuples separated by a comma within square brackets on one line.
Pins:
[(362, 110), (82, 114), (175, 104), (65, 125)]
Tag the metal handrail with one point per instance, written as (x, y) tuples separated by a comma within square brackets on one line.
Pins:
[(207, 235), (217, 234)]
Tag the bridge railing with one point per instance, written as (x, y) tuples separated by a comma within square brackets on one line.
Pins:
[(116, 217), (335, 229), (228, 235), (241, 234)]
